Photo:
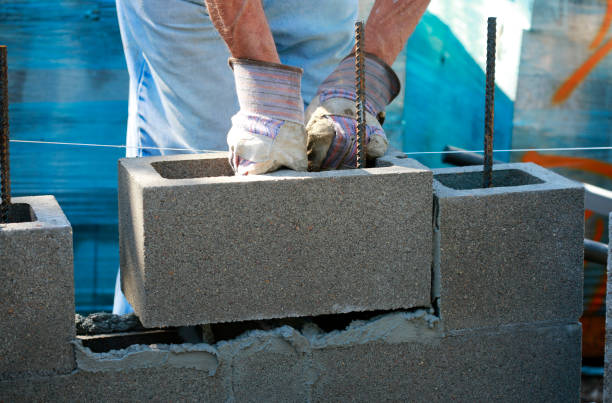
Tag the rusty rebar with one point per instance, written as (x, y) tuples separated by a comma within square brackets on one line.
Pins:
[(360, 95), (5, 179), (487, 174)]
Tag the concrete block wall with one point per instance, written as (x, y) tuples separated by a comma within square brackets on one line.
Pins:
[(200, 246), (394, 357), (500, 321), (37, 293)]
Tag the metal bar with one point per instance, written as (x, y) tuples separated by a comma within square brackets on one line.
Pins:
[(463, 157), (597, 199), (5, 179), (596, 252), (360, 95), (487, 175)]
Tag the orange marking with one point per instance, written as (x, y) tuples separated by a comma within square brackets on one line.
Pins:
[(569, 85), (600, 295), (555, 161), (605, 25), (587, 214), (599, 230), (593, 335)]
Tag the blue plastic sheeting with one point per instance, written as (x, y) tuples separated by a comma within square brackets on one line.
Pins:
[(444, 97), (68, 83)]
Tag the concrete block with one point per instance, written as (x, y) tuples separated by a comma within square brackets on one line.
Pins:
[(403, 356), (37, 293), (512, 253), (530, 363), (199, 245), (608, 350)]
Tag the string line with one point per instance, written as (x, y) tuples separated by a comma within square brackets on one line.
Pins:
[(407, 153), (110, 146)]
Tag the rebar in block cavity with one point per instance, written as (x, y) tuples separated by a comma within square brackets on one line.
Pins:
[(5, 180), (487, 177), (360, 94)]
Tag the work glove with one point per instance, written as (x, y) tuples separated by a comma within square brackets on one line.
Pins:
[(268, 131), (331, 119)]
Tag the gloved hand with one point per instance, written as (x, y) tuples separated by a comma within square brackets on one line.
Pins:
[(268, 131), (331, 119)]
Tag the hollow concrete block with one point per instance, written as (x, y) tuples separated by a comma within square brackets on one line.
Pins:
[(529, 363), (37, 293), (402, 356), (199, 245), (512, 253), (608, 349)]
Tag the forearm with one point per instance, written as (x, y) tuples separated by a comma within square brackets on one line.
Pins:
[(243, 26), (390, 24)]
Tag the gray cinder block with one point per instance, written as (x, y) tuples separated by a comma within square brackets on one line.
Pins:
[(508, 254), (37, 293), (403, 356), (200, 245), (517, 364), (608, 351)]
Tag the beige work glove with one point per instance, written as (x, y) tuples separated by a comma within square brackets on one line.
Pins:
[(268, 131), (330, 118)]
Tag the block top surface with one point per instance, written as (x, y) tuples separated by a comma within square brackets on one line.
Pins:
[(511, 178), (45, 214), (214, 168)]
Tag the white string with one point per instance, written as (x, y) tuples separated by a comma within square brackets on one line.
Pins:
[(407, 153), (512, 150), (111, 146)]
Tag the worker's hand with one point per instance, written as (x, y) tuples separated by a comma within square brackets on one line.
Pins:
[(331, 123), (268, 131)]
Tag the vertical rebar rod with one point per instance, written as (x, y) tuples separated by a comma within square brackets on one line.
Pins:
[(487, 175), (360, 95), (5, 180)]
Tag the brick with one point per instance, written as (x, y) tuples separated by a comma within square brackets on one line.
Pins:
[(608, 349), (396, 357), (508, 254), (199, 245), (36, 271)]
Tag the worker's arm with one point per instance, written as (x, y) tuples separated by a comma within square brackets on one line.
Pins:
[(390, 24), (243, 26), (330, 117), (268, 131)]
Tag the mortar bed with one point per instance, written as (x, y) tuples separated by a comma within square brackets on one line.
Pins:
[(216, 332), (501, 178)]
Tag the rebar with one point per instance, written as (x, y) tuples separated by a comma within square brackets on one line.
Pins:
[(487, 174), (5, 180), (360, 95)]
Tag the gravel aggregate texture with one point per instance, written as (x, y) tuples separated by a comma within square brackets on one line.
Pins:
[(198, 250), (508, 254), (37, 293)]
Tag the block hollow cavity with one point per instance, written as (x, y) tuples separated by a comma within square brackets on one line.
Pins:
[(193, 168), (501, 178), (20, 212)]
